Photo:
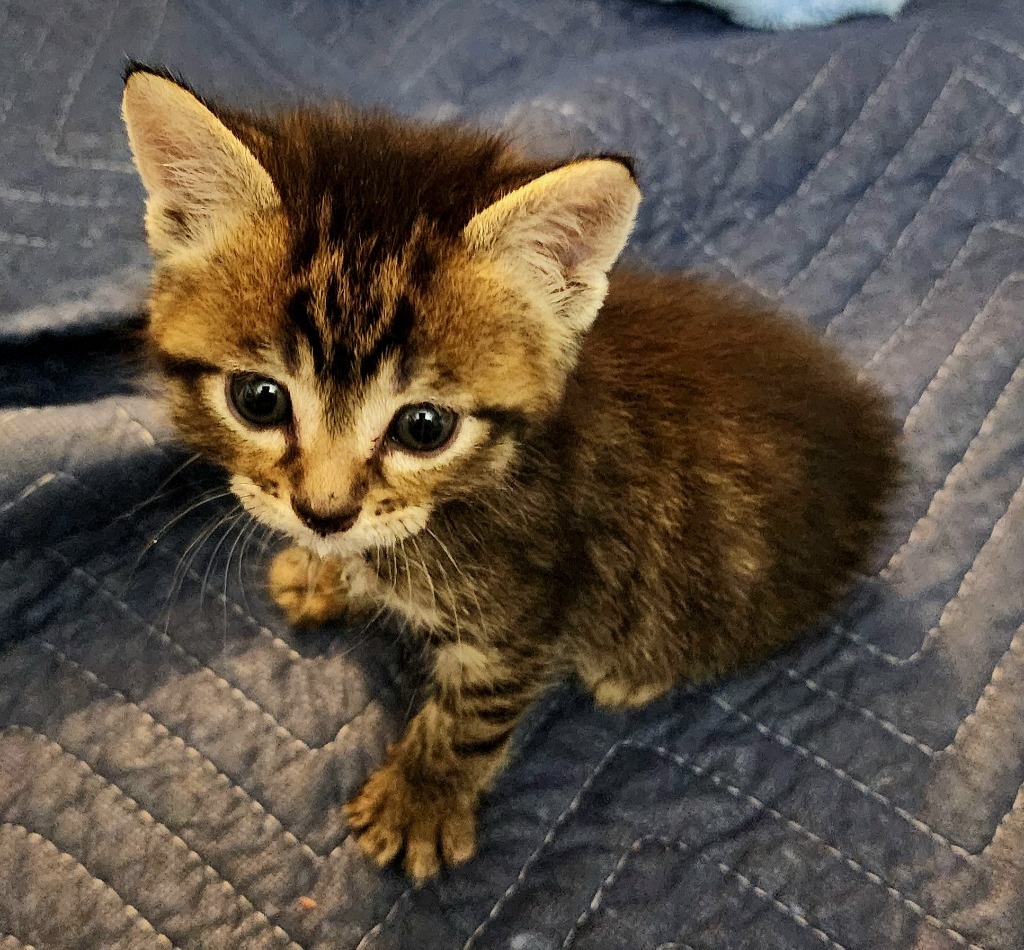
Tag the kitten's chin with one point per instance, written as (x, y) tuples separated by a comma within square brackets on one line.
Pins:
[(362, 538)]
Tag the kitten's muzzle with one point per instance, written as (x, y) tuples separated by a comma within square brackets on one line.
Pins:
[(325, 522)]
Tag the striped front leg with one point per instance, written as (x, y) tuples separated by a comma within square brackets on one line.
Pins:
[(423, 801)]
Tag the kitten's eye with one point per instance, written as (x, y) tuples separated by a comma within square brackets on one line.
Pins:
[(259, 401), (422, 428)]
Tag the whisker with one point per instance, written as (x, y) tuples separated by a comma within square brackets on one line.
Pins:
[(215, 496), (408, 572), (367, 625), (159, 493), (394, 573), (253, 530), (230, 519), (268, 536), (473, 536), (152, 542), (470, 585), (199, 539), (242, 528), (454, 607), (426, 573), (185, 562)]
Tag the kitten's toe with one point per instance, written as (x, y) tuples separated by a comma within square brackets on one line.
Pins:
[(619, 694), (307, 588), (422, 861), (458, 837), (380, 843)]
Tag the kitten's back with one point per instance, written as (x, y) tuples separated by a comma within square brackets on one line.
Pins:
[(732, 446)]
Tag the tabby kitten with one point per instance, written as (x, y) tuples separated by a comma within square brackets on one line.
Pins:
[(404, 345)]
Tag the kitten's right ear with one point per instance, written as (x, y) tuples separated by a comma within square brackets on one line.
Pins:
[(199, 176)]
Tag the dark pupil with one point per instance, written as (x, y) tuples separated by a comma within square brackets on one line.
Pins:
[(261, 399), (426, 427)]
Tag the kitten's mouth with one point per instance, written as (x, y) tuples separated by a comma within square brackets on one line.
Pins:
[(331, 545)]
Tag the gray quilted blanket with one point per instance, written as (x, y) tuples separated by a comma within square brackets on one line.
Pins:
[(172, 756)]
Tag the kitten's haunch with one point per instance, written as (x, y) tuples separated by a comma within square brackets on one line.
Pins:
[(408, 348)]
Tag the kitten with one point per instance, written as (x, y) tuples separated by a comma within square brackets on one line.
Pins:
[(404, 345)]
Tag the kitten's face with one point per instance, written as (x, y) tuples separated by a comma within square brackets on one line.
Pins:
[(328, 400), (350, 381)]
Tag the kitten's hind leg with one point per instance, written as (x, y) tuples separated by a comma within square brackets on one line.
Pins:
[(615, 688), (312, 590)]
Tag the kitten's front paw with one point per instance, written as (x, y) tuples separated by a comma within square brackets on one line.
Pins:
[(307, 588), (434, 824)]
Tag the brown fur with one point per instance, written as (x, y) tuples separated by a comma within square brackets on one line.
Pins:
[(678, 492)]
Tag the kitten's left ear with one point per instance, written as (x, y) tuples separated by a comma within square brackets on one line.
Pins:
[(561, 233), (198, 174)]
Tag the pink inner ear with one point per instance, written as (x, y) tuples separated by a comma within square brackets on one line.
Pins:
[(198, 151), (163, 150), (569, 244), (169, 148)]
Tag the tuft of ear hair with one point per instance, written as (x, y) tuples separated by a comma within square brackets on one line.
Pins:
[(560, 234), (199, 177)]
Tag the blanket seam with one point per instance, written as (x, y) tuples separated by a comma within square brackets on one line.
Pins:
[(146, 817), (834, 852), (135, 918), (165, 732)]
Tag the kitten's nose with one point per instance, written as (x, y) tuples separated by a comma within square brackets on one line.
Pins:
[(324, 522)]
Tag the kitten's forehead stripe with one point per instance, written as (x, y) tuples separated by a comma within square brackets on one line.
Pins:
[(300, 311), (422, 264), (350, 326), (392, 338), (305, 246), (332, 302)]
